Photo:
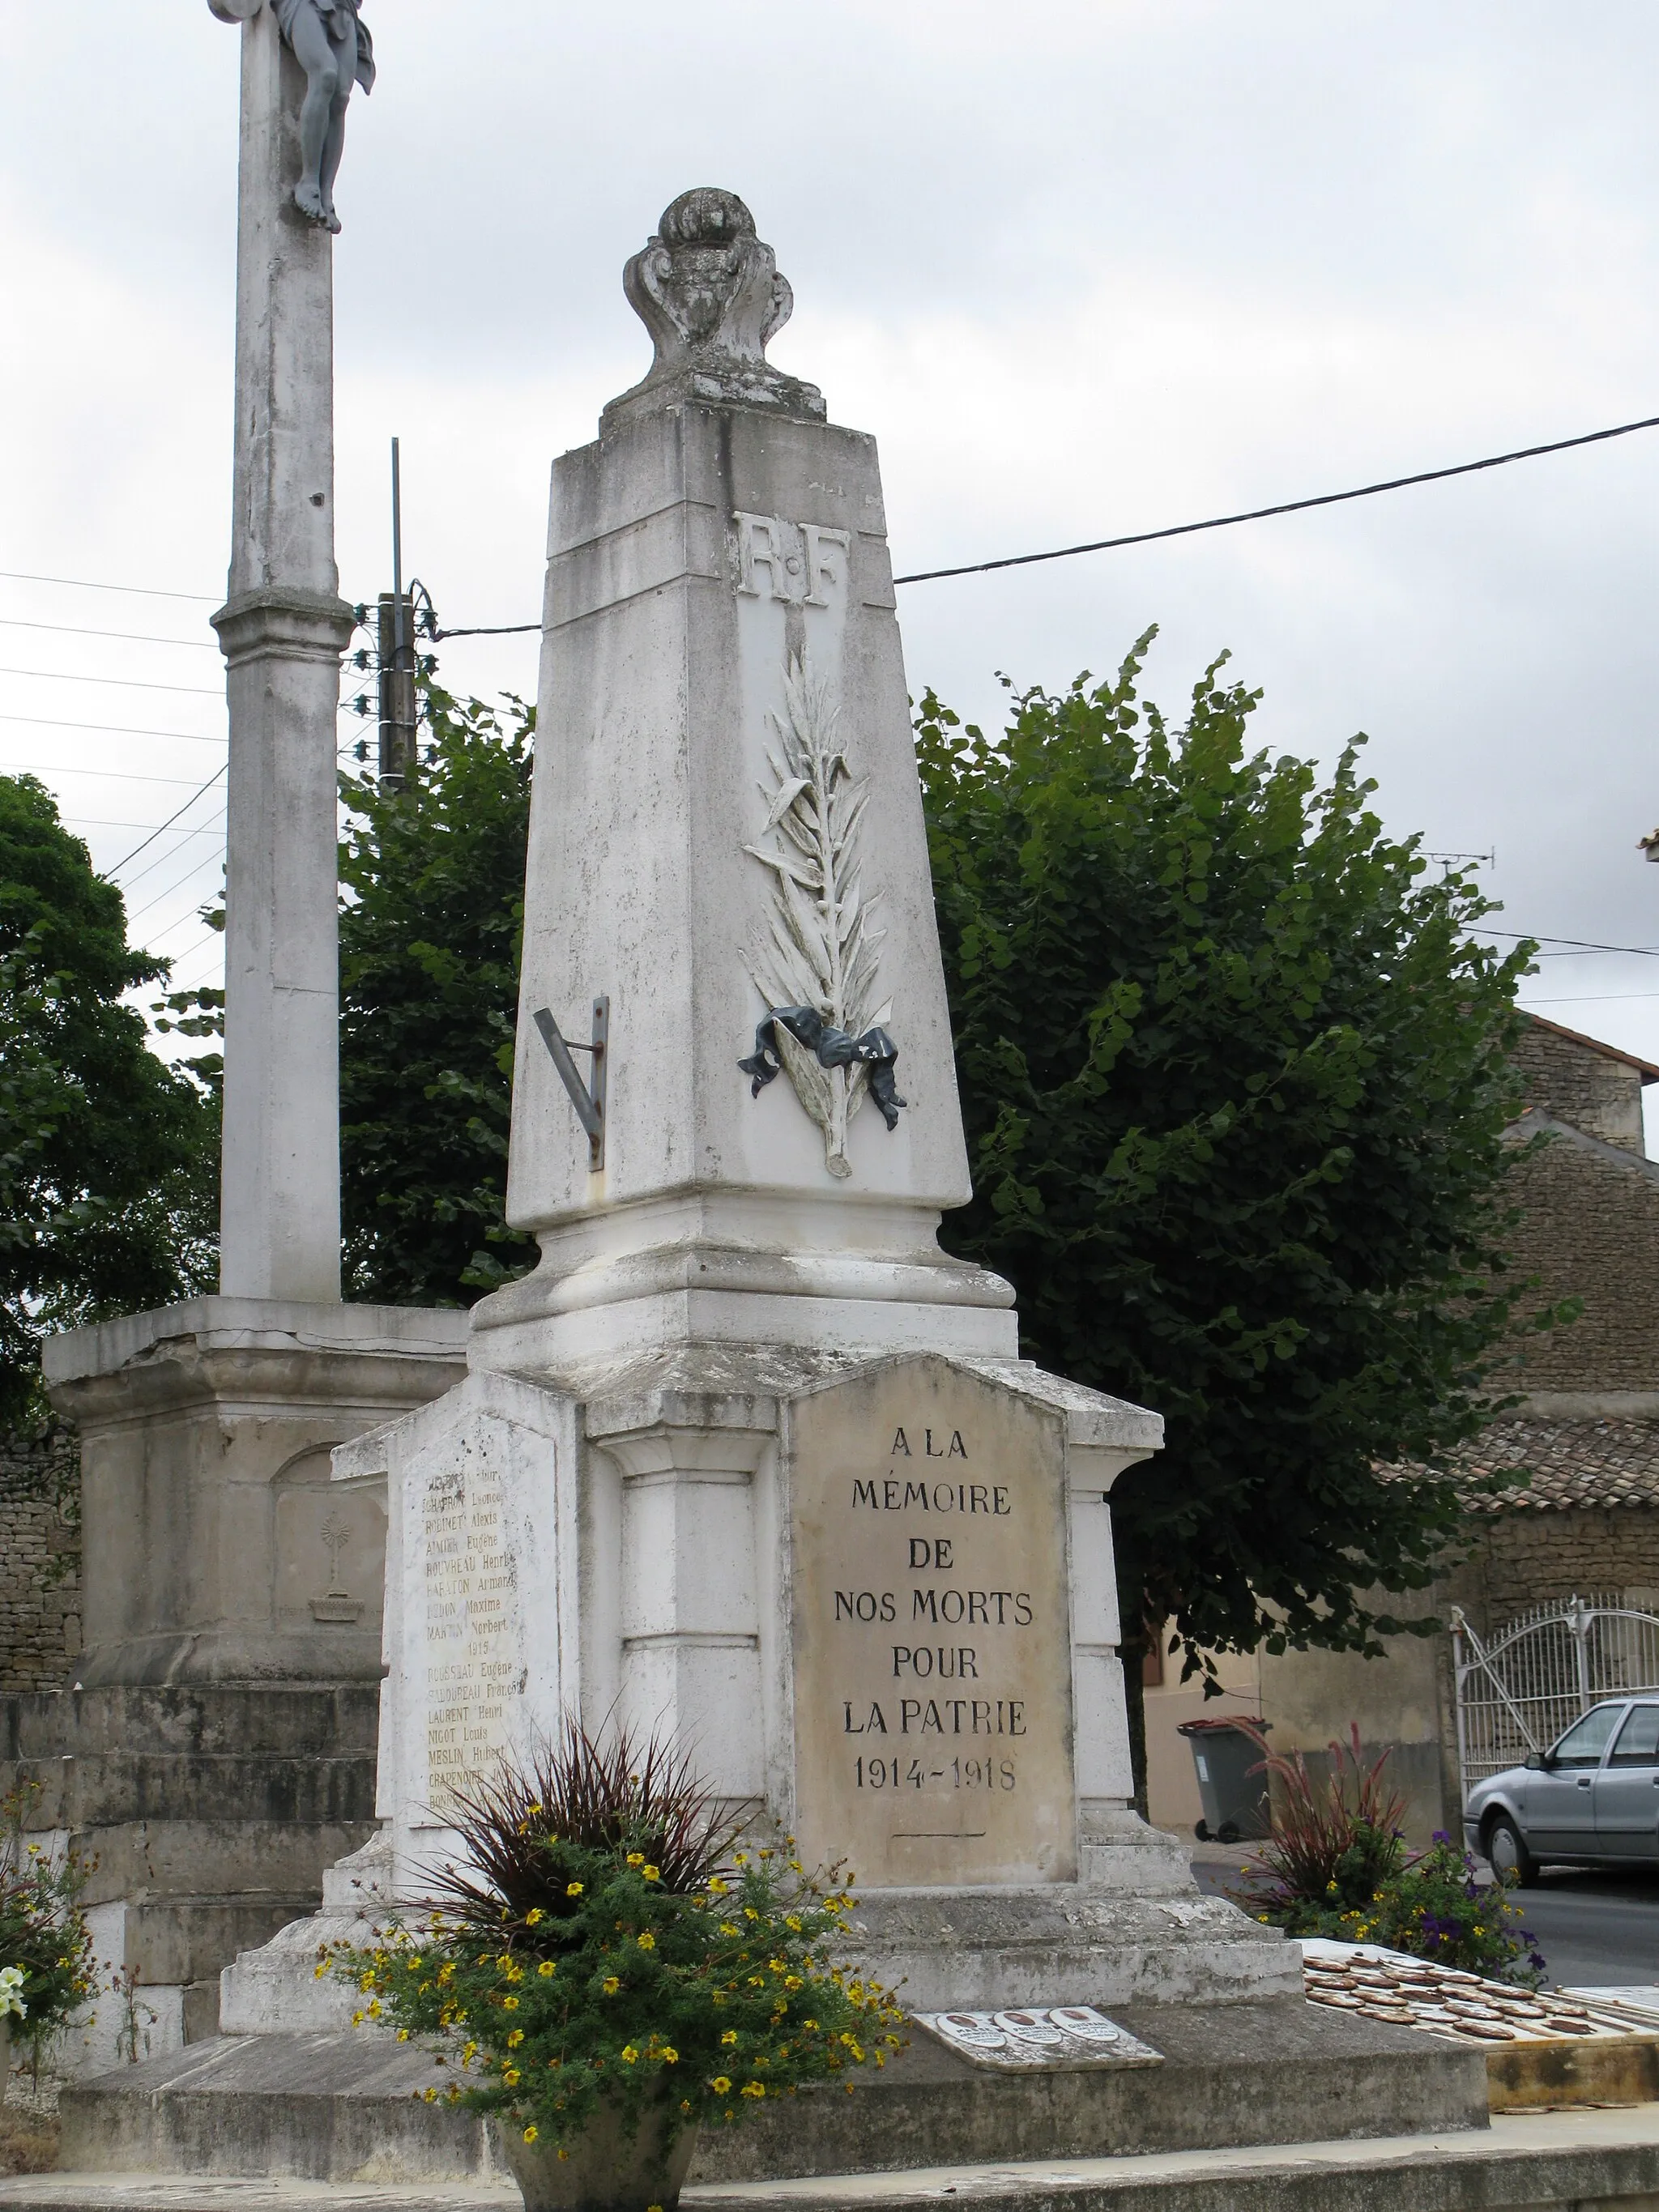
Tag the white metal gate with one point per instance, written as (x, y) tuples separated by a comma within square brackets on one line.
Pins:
[(1517, 1694)]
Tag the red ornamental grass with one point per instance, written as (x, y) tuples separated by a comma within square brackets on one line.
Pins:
[(574, 1791), (1317, 1821)]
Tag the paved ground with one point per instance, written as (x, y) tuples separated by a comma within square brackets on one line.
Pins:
[(1591, 1927)]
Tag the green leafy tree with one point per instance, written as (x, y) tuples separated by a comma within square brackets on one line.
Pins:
[(432, 914), (107, 1156), (1235, 1080)]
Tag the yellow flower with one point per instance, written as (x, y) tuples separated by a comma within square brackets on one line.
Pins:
[(431, 2096), (510, 2075), (545, 1968), (753, 2089), (515, 2038), (720, 2085), (792, 1920), (652, 1874), (730, 2036), (612, 1985), (741, 1859), (636, 1858), (647, 1941), (534, 1916), (531, 2132), (403, 2035), (717, 1886), (670, 2056), (573, 1889), (510, 2004), (629, 2054), (321, 1971)]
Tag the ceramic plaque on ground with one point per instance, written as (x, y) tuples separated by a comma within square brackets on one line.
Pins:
[(1033, 2038), (931, 1628)]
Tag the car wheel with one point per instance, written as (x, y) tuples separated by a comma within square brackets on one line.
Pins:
[(1506, 1847)]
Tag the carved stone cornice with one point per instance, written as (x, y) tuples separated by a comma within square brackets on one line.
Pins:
[(294, 625)]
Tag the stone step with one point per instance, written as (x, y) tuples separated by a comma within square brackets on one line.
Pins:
[(1548, 2162), (346, 2108)]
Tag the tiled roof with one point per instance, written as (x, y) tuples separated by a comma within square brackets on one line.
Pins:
[(1571, 1463)]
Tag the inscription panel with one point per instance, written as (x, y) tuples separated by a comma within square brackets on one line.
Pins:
[(931, 1631), (473, 1665)]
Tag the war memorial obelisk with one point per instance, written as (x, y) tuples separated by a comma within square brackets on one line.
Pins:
[(748, 1461)]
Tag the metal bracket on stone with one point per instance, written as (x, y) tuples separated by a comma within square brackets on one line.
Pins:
[(587, 1098)]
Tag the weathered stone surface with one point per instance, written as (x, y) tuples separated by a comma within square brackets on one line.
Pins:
[(283, 630), (931, 1634), (342, 2107), (215, 1547), (698, 554)]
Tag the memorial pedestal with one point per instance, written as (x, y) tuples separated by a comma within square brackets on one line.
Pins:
[(214, 1749)]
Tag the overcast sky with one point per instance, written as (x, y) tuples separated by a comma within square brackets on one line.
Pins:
[(1084, 267)]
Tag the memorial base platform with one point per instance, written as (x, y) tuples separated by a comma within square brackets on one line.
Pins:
[(1550, 2162), (347, 2108)]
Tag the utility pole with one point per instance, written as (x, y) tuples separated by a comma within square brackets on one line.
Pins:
[(399, 761)]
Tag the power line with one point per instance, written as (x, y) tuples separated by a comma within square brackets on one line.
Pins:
[(1580, 944), (81, 584), (114, 729), (108, 821), (161, 861), (127, 636), (1285, 507), (1595, 998), (514, 629), (101, 774), (125, 682), (162, 897), (200, 793)]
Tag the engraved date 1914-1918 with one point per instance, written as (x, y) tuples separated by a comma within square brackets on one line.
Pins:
[(961, 1774)]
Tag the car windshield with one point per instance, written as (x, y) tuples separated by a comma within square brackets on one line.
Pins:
[(1585, 1742)]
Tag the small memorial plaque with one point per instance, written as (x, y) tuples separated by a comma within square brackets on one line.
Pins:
[(931, 1634), (472, 1657), (1040, 2037)]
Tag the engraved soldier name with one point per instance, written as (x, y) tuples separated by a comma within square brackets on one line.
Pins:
[(932, 1645)]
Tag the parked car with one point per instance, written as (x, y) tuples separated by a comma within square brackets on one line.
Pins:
[(1593, 1795)]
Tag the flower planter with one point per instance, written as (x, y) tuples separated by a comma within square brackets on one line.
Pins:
[(605, 2170)]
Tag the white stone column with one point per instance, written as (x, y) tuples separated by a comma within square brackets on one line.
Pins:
[(283, 630)]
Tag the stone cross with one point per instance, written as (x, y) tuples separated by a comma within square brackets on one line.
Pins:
[(284, 628)]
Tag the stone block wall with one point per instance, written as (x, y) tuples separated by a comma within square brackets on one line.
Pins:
[(1590, 1228), (1599, 1094), (1522, 1558), (39, 1559)]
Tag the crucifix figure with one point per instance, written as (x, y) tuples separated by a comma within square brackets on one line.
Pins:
[(330, 43)]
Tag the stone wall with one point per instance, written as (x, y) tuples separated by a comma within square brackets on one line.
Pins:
[(1576, 1082), (1521, 1558), (39, 1559), (1590, 1228)]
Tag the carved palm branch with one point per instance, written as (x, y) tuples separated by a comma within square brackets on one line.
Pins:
[(822, 949)]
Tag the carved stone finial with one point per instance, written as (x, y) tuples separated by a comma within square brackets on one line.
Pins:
[(708, 291)]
